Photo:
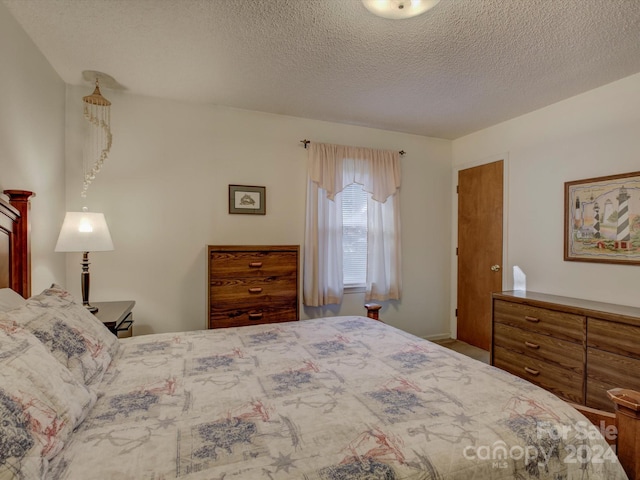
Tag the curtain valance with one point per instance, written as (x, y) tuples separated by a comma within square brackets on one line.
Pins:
[(333, 167)]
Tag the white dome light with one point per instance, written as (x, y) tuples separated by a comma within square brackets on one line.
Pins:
[(398, 9)]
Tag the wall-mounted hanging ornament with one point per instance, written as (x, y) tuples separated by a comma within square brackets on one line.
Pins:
[(97, 112)]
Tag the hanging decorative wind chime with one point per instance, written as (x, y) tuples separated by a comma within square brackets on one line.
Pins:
[(97, 111)]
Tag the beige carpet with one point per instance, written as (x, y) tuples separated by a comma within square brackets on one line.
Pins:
[(465, 349)]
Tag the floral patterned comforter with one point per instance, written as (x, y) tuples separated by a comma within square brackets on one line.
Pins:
[(325, 399)]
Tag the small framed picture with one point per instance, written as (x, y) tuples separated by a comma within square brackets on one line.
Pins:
[(247, 199)]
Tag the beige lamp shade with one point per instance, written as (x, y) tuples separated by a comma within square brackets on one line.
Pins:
[(84, 232)]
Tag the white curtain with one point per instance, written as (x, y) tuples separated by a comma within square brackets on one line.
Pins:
[(331, 169)]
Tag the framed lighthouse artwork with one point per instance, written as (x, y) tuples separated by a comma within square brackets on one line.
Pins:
[(602, 219)]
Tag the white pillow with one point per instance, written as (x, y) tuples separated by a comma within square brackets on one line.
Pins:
[(70, 332), (10, 299), (40, 403)]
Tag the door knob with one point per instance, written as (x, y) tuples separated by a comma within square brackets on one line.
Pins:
[(495, 268)]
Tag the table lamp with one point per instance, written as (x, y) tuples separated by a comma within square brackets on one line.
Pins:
[(84, 232)]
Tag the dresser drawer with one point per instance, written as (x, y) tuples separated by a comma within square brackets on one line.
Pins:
[(236, 264), (241, 317), (606, 371), (562, 382), (561, 353), (253, 291), (560, 325), (614, 337)]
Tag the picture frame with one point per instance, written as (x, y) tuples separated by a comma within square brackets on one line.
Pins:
[(247, 199), (602, 219)]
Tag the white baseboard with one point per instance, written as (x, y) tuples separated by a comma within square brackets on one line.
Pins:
[(438, 336)]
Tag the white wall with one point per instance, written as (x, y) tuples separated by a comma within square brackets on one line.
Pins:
[(32, 103), (590, 135), (164, 192)]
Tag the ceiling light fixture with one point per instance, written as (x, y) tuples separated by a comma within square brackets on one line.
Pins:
[(398, 9)]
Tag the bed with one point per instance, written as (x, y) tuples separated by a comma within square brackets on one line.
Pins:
[(325, 399)]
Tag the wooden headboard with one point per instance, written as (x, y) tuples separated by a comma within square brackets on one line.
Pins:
[(15, 244)]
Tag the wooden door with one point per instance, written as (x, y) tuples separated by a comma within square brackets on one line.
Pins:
[(479, 250)]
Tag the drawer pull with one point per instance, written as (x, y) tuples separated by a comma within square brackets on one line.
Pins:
[(532, 345), (531, 319), (255, 290), (255, 315), (255, 265), (532, 371)]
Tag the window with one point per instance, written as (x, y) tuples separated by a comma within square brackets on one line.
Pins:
[(352, 244), (354, 236)]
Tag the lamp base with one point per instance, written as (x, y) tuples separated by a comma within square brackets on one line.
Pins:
[(85, 283), (91, 308)]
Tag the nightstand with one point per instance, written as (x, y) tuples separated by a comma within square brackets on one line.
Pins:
[(116, 316)]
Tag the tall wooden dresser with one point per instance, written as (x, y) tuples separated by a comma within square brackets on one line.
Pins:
[(249, 285), (577, 349)]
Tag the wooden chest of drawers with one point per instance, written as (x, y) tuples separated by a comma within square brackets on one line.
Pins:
[(252, 284), (543, 346), (577, 349)]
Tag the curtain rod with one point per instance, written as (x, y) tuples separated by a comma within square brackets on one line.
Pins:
[(307, 142)]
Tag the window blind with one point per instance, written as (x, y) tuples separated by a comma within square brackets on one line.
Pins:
[(354, 235)]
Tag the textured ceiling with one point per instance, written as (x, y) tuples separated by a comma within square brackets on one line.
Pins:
[(462, 66)]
